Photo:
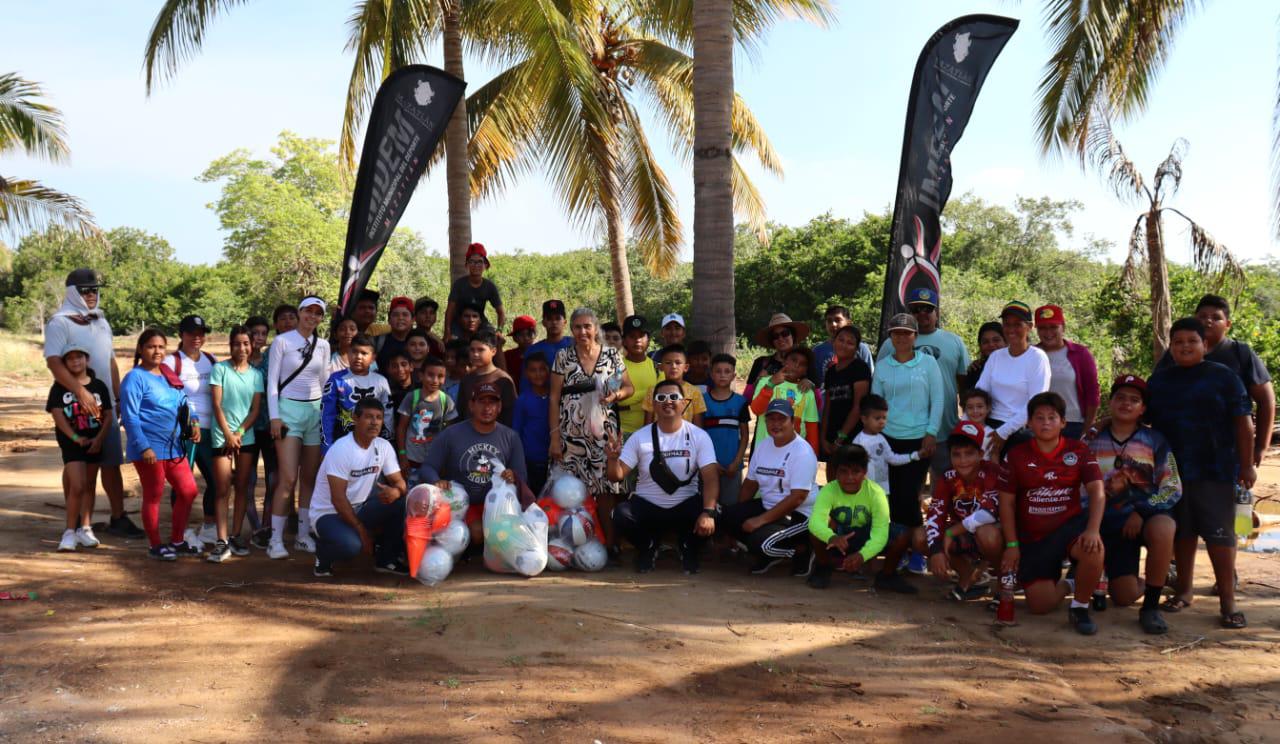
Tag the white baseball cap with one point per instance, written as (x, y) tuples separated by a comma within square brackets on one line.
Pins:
[(676, 318), (310, 300)]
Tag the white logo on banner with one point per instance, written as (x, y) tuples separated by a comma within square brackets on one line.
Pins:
[(423, 93), (961, 48)]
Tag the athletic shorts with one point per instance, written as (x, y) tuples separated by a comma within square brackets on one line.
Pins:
[(112, 448), (73, 452), (303, 419), (1042, 560), (245, 449), (1207, 510), (475, 513), (965, 546)]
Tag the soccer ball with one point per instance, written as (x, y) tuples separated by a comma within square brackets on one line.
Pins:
[(559, 555), (575, 527), (568, 492), (455, 538), (530, 562), (500, 532), (458, 499), (423, 500), (590, 556), (436, 565)]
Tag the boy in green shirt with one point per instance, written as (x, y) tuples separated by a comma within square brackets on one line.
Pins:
[(849, 524), (785, 383)]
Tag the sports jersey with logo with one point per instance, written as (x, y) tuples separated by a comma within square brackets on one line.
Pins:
[(1138, 473), (341, 394), (955, 500), (1046, 485), (780, 470)]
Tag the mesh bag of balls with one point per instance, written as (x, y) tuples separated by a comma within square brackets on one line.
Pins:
[(574, 540), (435, 530)]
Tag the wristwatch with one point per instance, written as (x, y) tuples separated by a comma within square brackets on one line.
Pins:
[(713, 513)]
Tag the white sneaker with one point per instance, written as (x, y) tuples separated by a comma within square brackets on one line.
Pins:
[(192, 539), (276, 551), (208, 534), (85, 538), (304, 542), (68, 543)]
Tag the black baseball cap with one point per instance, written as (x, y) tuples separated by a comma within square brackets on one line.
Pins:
[(553, 307), (368, 294), (85, 278), (472, 305), (634, 323), (193, 324)]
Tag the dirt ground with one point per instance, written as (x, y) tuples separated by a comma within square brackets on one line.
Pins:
[(119, 648)]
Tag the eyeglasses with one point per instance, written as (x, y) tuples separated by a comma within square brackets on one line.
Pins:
[(667, 397), (87, 290), (784, 333)]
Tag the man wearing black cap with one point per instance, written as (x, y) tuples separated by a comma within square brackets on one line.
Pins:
[(366, 312), (641, 370), (80, 322), (193, 366), (553, 320)]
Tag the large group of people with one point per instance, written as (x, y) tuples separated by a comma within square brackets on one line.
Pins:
[(1026, 480)]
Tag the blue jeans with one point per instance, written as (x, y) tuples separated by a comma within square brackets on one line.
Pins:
[(339, 541)]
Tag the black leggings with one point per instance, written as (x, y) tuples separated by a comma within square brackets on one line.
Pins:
[(643, 522), (905, 482)]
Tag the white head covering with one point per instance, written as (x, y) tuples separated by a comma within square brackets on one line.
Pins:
[(74, 307)]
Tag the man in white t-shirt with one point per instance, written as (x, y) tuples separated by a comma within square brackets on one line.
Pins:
[(775, 526), (194, 365), (80, 322), (678, 486), (342, 509)]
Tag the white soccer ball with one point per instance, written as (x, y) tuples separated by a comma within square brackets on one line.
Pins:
[(568, 492), (423, 500), (575, 527), (530, 562), (559, 555), (590, 556), (455, 538), (436, 565), (458, 499)]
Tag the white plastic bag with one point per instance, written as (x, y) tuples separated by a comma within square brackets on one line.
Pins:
[(514, 541)]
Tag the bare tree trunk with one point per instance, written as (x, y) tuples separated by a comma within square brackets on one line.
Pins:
[(1160, 304), (610, 200), (457, 157), (713, 290)]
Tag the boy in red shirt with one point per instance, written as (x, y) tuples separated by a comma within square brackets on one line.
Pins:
[(960, 529), (1042, 517)]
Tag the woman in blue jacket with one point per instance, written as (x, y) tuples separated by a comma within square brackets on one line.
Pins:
[(154, 410)]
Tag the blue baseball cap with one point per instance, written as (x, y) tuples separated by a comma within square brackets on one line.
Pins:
[(780, 405), (922, 296)]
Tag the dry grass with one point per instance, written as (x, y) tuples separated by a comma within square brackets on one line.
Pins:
[(21, 355)]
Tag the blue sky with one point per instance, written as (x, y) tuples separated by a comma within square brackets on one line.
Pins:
[(833, 102)]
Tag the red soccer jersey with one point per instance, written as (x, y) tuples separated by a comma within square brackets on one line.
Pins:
[(1046, 486), (954, 499)]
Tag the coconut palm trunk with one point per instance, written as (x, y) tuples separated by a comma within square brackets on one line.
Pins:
[(713, 289), (615, 229), (457, 157), (1161, 306)]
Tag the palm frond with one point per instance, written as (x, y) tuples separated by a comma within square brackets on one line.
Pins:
[(1211, 257), (752, 19), (177, 35), (1135, 261), (1106, 56), (748, 205), (650, 201), (1107, 155), (27, 124), (29, 206), (1170, 170), (504, 127)]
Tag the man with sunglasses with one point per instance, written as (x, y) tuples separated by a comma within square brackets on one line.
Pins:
[(949, 351), (678, 485), (80, 322)]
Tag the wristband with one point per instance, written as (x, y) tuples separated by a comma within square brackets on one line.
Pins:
[(75, 438), (947, 532), (842, 436), (402, 452), (1011, 544)]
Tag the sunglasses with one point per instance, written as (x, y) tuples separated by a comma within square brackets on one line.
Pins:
[(667, 397), (87, 290), (784, 333), (922, 309)]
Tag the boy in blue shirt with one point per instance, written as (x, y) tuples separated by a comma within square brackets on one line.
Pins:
[(532, 420), (726, 421), (346, 387), (1202, 409)]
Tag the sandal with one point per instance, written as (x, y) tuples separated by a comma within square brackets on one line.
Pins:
[(1234, 620), (1174, 604)]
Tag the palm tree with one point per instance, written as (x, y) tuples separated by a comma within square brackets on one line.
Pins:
[(567, 103), (1147, 241), (36, 129), (1106, 57), (385, 35)]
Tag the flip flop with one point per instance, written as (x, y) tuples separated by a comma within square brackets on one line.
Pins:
[(1234, 620), (1174, 604)]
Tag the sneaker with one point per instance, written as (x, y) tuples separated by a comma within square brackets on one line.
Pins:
[(645, 560), (1152, 621), (191, 538), (304, 543), (86, 539), (965, 595), (261, 538), (802, 563), (763, 563), (396, 567), (238, 548), (894, 583), (918, 564), (615, 557), (122, 526), (820, 578), (185, 549), (1079, 619), (219, 552), (208, 534), (322, 570), (68, 542), (276, 551), (162, 553), (690, 560)]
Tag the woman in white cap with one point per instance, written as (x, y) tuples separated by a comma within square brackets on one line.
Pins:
[(782, 335), (295, 383), (1013, 376)]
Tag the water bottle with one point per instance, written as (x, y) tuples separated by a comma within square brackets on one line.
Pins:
[(1244, 512), (1004, 612)]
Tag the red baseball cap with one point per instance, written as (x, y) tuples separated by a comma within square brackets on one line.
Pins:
[(523, 323), (405, 302), (1050, 315), (970, 431), (477, 249), (1131, 381)]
